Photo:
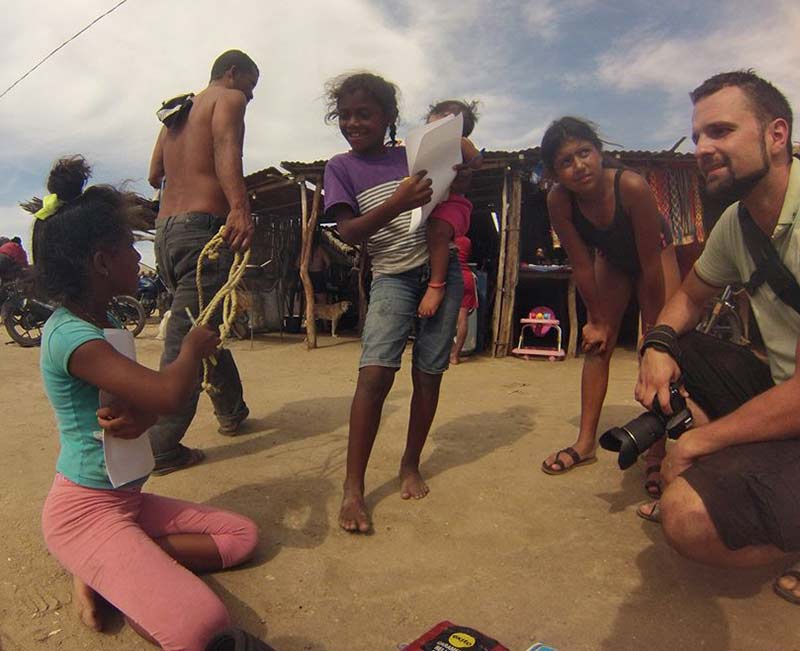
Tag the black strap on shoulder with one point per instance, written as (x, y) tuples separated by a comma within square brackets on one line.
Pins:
[(769, 267)]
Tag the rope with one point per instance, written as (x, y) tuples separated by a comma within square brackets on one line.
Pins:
[(227, 296)]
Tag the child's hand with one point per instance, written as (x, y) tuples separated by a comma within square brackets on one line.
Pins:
[(413, 192), (123, 421), (202, 341)]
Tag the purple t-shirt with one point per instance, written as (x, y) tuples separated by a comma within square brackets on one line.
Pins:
[(365, 182)]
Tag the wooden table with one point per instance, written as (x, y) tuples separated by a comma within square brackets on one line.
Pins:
[(536, 275)]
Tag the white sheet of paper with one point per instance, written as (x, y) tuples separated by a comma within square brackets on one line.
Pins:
[(435, 147), (126, 459)]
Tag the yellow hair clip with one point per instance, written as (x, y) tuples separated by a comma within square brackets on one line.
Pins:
[(50, 204)]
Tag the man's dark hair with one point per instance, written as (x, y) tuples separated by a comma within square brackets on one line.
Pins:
[(227, 60), (16, 239), (455, 106), (768, 102)]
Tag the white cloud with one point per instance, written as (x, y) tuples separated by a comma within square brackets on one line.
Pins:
[(763, 37), (544, 18)]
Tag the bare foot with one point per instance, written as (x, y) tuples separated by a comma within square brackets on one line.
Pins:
[(353, 516), (85, 600), (790, 585), (412, 484), (430, 302)]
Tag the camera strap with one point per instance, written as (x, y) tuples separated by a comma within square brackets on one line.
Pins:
[(769, 267)]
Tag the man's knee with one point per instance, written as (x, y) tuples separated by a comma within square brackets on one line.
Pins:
[(685, 520)]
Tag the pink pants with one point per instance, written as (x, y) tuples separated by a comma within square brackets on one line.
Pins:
[(105, 538)]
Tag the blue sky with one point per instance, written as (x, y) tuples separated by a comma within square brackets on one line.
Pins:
[(626, 65)]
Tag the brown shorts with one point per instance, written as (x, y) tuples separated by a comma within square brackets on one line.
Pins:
[(752, 493)]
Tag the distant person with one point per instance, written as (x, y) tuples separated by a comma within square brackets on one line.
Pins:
[(13, 258), (450, 219), (136, 550), (618, 243), (470, 301), (198, 159)]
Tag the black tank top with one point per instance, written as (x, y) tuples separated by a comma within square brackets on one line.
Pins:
[(616, 242)]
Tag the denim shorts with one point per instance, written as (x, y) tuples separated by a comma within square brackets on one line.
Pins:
[(393, 304)]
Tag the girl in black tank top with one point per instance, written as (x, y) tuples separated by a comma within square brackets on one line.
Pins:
[(609, 225), (616, 242)]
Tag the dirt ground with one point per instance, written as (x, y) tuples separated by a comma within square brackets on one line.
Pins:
[(497, 545)]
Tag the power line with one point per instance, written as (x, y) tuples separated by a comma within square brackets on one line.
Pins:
[(72, 38)]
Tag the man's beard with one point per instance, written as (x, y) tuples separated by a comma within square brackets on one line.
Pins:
[(737, 188)]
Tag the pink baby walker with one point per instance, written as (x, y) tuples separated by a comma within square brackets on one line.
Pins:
[(540, 320)]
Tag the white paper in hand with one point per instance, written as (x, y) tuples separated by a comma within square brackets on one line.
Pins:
[(126, 459), (435, 147)]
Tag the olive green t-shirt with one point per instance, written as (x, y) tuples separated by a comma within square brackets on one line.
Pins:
[(725, 260)]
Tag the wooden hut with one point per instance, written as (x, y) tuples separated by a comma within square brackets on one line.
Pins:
[(510, 227)]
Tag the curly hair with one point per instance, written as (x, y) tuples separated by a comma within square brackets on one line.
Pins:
[(85, 222), (455, 106), (385, 93)]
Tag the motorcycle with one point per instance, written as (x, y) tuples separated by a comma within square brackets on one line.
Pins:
[(24, 317), (153, 294)]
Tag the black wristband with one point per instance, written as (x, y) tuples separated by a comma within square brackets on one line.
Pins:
[(663, 338)]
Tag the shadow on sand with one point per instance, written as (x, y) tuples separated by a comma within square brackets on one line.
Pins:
[(462, 441)]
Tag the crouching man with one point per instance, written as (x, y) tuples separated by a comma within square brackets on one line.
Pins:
[(733, 482)]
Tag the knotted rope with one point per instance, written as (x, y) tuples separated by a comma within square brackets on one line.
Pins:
[(227, 296)]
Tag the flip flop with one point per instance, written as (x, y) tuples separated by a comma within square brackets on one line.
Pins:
[(650, 511), (783, 593), (235, 639), (562, 467), (186, 458), (653, 486)]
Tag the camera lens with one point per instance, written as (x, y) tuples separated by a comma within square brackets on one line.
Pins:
[(634, 438)]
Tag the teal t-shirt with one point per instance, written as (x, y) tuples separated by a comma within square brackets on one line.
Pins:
[(74, 401)]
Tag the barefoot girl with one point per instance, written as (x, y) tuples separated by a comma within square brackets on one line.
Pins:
[(613, 212), (121, 544), (450, 219), (369, 194)]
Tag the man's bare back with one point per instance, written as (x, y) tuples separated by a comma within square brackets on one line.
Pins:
[(200, 159)]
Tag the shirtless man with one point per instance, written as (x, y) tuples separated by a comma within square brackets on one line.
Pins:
[(197, 164)]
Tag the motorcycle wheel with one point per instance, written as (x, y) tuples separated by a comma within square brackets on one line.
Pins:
[(129, 312), (21, 325)]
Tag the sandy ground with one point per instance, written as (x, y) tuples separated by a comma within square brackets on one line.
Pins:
[(497, 545)]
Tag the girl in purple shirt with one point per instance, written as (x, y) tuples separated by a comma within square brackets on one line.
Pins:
[(370, 195)]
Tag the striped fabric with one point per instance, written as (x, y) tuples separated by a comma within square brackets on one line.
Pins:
[(392, 249), (678, 199)]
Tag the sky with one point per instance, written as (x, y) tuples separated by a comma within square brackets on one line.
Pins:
[(628, 65)]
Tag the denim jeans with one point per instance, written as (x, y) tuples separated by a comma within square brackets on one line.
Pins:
[(392, 312), (178, 243)]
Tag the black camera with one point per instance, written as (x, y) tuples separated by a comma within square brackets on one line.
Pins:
[(634, 438)]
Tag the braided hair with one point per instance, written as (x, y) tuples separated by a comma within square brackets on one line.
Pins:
[(385, 93)]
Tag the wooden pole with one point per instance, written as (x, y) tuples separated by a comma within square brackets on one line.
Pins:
[(499, 290), (511, 266), (306, 237)]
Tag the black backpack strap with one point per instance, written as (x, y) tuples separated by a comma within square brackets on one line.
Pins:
[(769, 267)]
